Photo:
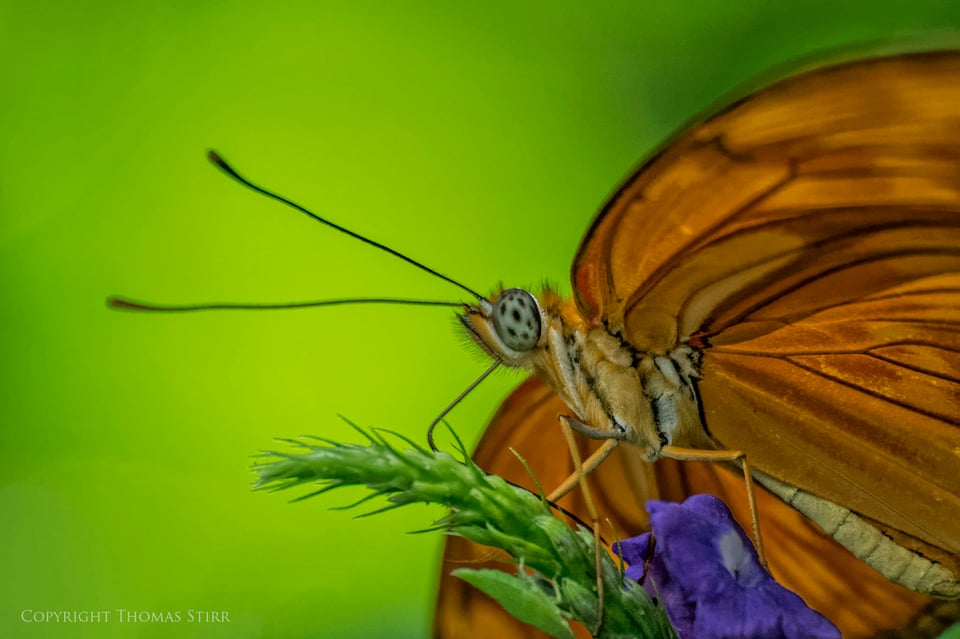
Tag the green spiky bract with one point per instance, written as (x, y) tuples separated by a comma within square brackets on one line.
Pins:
[(488, 510)]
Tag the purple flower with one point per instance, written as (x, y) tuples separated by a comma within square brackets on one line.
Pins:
[(706, 574)]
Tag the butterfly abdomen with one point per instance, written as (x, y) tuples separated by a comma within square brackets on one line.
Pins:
[(895, 562)]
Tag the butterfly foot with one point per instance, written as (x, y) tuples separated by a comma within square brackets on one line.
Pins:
[(592, 432)]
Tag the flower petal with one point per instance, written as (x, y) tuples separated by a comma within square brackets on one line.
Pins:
[(706, 573)]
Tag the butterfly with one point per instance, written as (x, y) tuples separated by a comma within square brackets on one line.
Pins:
[(781, 279)]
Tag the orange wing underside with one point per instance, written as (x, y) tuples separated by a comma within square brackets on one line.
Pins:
[(831, 580), (829, 164), (809, 236), (859, 404)]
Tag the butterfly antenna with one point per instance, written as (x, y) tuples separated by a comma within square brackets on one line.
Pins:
[(124, 304), (214, 157), (459, 398)]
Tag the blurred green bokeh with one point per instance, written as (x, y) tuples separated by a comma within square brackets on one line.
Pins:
[(477, 138)]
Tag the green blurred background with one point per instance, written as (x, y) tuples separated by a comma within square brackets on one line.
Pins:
[(477, 138)]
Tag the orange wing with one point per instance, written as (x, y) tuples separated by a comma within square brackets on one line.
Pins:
[(829, 578), (808, 237)]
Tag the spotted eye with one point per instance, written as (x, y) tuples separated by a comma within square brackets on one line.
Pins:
[(516, 318)]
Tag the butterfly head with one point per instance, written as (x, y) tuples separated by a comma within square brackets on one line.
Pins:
[(508, 328)]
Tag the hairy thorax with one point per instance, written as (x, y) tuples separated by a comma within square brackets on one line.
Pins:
[(647, 399)]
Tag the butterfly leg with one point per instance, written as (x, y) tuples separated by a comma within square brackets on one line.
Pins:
[(592, 462), (613, 437), (581, 478), (737, 457), (592, 431)]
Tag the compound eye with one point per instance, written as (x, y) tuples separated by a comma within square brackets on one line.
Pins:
[(516, 318)]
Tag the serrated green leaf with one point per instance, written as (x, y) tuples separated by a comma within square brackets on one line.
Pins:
[(522, 598)]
